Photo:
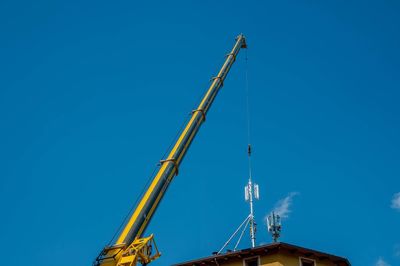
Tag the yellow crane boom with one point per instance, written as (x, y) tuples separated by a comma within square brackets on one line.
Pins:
[(131, 247)]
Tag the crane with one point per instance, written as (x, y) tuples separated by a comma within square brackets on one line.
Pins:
[(131, 247)]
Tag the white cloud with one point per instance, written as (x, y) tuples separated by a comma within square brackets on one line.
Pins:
[(396, 201), (381, 262), (282, 207)]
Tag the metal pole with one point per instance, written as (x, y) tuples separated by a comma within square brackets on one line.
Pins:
[(252, 228)]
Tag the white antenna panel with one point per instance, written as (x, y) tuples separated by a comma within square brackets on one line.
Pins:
[(246, 193), (256, 192), (268, 224)]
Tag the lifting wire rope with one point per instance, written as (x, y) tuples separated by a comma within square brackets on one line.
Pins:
[(251, 189)]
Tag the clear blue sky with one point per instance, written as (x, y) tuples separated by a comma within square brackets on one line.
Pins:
[(92, 93)]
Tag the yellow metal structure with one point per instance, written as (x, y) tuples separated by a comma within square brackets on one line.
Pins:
[(131, 247)]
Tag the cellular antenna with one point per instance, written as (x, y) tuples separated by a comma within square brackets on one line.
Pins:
[(274, 226)]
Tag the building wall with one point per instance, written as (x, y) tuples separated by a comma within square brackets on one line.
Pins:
[(287, 259), (271, 260), (280, 260)]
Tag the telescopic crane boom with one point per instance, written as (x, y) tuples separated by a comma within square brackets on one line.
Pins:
[(131, 247)]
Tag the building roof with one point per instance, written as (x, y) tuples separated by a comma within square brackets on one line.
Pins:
[(263, 250)]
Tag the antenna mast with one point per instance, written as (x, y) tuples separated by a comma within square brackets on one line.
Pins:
[(251, 192)]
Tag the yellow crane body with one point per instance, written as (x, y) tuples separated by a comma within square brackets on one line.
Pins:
[(131, 247)]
